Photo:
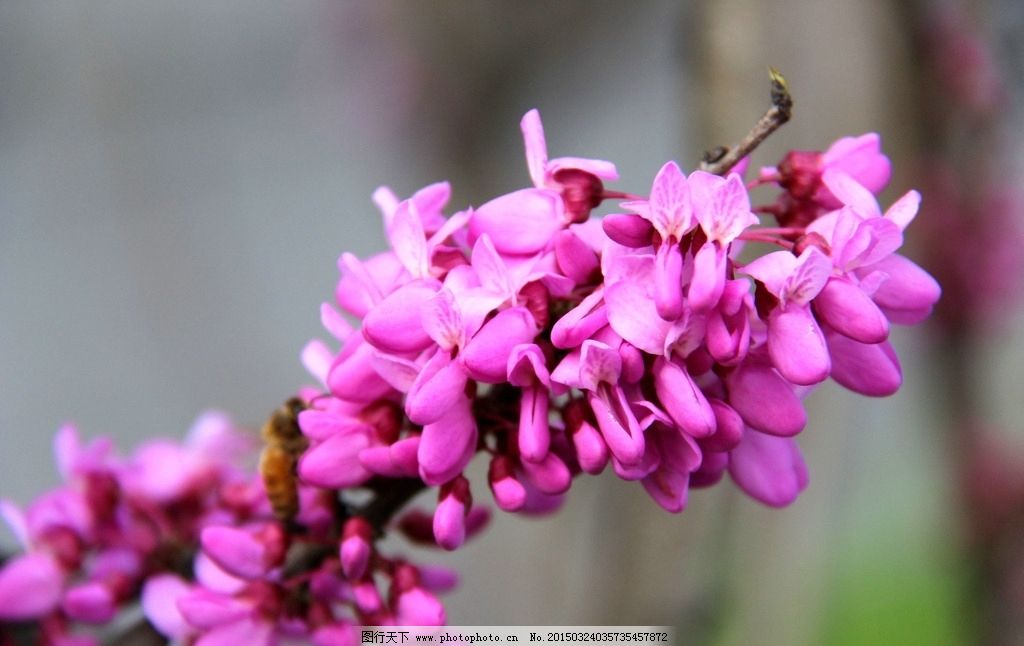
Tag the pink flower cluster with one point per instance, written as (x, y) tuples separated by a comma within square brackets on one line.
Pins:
[(559, 343), (648, 342)]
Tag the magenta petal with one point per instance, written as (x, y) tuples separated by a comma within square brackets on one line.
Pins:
[(851, 312), (509, 494), (395, 324), (576, 260), (239, 551), (769, 469), (91, 603), (486, 355), (534, 434), (628, 229), (668, 282), (683, 399), (448, 444), (450, 522), (712, 468), (581, 322), (633, 316), (797, 346), (908, 288), (523, 222), (321, 424), (625, 442), (551, 476), (668, 488), (591, 449), (248, 631), (869, 369), (417, 607), (729, 428), (30, 587), (334, 463), (708, 277), (765, 401), (205, 609), (396, 461), (160, 604), (352, 376), (441, 383), (527, 366)]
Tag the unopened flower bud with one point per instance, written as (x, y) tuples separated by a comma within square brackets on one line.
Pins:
[(356, 547)]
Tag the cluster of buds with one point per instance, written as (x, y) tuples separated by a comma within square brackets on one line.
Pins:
[(556, 343)]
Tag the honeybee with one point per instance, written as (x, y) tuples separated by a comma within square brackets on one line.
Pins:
[(279, 459)]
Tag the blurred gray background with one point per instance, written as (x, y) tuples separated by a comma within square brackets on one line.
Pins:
[(178, 179)]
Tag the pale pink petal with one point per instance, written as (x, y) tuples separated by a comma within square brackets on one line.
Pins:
[(671, 211), (850, 192), (16, 522), (769, 469), (598, 167), (160, 604), (409, 241), (352, 377), (536, 147), (773, 269), (523, 222), (317, 359), (633, 316), (442, 320), (903, 210), (334, 322), (808, 277), (860, 158), (598, 363)]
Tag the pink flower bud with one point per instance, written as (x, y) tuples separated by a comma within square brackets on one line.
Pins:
[(551, 476), (765, 401), (367, 597), (91, 603), (453, 504), (628, 229), (508, 492), (356, 547), (417, 607)]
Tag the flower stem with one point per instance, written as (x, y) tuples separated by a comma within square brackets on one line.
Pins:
[(721, 159)]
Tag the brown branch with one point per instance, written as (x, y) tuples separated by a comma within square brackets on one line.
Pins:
[(720, 160)]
